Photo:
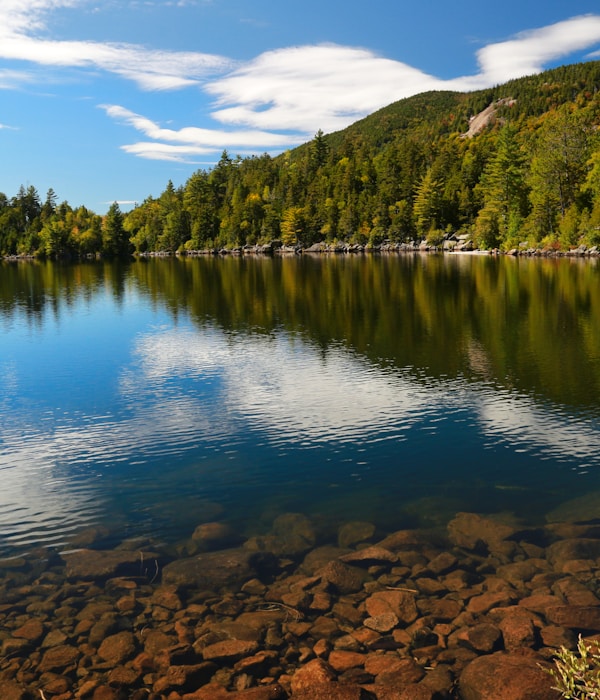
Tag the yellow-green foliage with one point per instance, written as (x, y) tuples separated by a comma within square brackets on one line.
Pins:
[(577, 675)]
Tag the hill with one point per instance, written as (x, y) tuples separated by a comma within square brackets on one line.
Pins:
[(514, 165)]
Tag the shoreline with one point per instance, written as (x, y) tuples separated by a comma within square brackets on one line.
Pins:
[(275, 250)]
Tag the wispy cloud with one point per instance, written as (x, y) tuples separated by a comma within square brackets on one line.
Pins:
[(152, 69), (191, 141), (529, 52)]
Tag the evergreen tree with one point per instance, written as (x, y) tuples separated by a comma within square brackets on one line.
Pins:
[(115, 241)]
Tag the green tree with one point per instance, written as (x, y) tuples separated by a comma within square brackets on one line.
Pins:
[(427, 205), (503, 192), (293, 226), (115, 241)]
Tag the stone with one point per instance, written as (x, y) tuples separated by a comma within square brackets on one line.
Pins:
[(123, 676), (444, 610), (403, 672), (185, 678), (554, 636), (355, 532), (156, 640), (576, 593), (507, 676), (576, 617), (214, 535), (383, 623), (403, 541), (341, 661), (271, 692), (538, 603), (32, 631), (319, 557), (229, 650), (333, 691), (315, 673), (561, 552), (229, 568), (475, 532), (400, 603), (118, 648), (295, 534), (345, 579), (59, 658), (443, 563), (92, 564), (54, 638), (324, 628), (167, 597), (575, 510), (9, 690), (346, 613), (412, 691), (210, 691), (369, 556), (105, 692), (483, 638), (518, 631), (483, 603), (258, 663), (520, 571)]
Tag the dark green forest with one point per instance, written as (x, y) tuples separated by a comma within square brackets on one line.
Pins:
[(524, 174)]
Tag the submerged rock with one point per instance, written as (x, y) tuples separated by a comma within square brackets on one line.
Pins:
[(355, 532), (507, 676), (581, 509), (478, 533), (103, 564), (229, 568)]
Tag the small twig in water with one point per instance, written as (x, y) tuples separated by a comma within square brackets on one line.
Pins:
[(41, 692), (153, 579), (296, 614), (405, 590)]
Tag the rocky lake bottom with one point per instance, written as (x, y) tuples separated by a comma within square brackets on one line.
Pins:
[(474, 609)]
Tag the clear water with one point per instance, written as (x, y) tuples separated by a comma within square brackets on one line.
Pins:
[(399, 390)]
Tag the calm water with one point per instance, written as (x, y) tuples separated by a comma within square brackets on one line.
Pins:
[(151, 397)]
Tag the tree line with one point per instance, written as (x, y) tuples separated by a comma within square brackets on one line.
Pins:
[(412, 171)]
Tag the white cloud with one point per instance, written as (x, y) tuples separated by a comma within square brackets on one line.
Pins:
[(182, 144), (152, 69), (529, 52), (311, 87)]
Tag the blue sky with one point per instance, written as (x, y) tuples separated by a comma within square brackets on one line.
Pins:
[(107, 101)]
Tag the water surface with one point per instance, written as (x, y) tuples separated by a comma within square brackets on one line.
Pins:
[(147, 398)]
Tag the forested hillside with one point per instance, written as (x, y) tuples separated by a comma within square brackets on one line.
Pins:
[(528, 175)]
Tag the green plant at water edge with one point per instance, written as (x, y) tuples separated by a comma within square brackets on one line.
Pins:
[(577, 675)]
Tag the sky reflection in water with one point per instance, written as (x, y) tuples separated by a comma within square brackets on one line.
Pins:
[(117, 413)]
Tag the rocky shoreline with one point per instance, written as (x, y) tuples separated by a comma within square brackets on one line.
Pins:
[(449, 246), (275, 248), (475, 610)]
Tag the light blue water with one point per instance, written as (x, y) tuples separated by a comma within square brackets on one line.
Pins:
[(125, 404)]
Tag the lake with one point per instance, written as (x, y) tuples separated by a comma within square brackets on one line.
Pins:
[(143, 399)]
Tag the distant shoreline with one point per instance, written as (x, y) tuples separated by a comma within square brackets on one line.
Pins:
[(276, 249)]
